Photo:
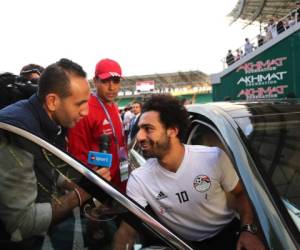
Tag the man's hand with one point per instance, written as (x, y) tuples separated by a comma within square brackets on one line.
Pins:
[(104, 172), (249, 241), (125, 237)]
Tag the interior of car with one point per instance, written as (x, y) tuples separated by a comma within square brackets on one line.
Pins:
[(204, 133)]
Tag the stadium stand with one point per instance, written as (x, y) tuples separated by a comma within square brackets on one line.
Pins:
[(270, 71), (249, 11), (191, 85)]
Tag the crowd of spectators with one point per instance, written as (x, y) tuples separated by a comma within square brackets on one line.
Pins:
[(274, 27)]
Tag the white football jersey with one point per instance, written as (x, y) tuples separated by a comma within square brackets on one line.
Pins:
[(192, 201)]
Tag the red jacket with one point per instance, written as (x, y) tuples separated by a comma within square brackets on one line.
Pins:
[(84, 137)]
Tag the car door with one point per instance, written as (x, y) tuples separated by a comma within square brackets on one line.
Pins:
[(103, 213), (276, 229)]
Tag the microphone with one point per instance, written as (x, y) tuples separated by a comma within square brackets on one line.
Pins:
[(102, 158), (104, 143)]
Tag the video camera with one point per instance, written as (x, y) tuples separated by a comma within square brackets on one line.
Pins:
[(16, 87)]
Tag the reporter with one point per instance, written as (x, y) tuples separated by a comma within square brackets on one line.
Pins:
[(28, 206)]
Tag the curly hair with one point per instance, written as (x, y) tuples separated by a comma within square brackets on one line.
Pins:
[(172, 113)]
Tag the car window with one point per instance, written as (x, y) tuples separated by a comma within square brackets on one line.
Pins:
[(95, 223), (204, 133), (274, 145), (136, 157)]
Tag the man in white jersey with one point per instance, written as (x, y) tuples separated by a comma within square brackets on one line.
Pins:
[(185, 185)]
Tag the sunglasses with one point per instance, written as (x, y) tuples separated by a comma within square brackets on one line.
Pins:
[(114, 79)]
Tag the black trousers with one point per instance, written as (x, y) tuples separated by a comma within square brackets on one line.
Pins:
[(226, 239)]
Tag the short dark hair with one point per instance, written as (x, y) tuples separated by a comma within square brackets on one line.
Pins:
[(137, 102), (56, 78), (31, 68), (171, 112)]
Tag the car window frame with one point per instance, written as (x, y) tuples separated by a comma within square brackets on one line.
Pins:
[(280, 203), (240, 157), (148, 220)]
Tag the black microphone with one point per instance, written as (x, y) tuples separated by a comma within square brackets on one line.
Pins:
[(104, 143), (102, 158)]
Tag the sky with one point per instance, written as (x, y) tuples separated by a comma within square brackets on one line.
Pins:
[(144, 36)]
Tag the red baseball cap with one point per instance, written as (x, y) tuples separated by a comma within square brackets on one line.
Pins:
[(107, 68)]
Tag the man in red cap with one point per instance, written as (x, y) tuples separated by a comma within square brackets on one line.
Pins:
[(103, 118)]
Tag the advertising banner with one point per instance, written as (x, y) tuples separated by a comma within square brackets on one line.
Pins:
[(272, 74), (145, 86)]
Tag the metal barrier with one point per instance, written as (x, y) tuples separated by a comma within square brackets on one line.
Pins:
[(270, 31)]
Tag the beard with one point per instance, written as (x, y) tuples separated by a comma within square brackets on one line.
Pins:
[(157, 149)]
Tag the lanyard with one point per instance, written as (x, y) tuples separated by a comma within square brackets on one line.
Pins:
[(109, 120)]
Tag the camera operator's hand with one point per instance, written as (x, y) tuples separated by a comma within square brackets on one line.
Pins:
[(104, 172)]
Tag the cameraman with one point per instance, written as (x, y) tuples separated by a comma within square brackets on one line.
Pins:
[(28, 80), (31, 72), (14, 88)]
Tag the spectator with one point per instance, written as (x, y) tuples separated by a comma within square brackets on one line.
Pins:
[(280, 26), (229, 58), (103, 118), (291, 19), (260, 40), (170, 178), (128, 115), (28, 207), (133, 128), (248, 46), (298, 11), (268, 34), (239, 54), (272, 28), (286, 23)]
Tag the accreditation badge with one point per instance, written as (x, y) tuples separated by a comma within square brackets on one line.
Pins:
[(124, 170), (124, 164)]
